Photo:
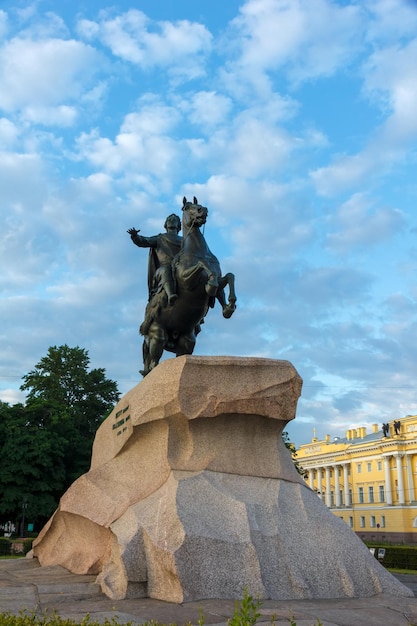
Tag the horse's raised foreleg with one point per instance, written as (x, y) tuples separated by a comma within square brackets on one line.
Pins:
[(230, 307), (212, 284)]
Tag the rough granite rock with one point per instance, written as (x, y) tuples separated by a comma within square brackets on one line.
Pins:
[(192, 494)]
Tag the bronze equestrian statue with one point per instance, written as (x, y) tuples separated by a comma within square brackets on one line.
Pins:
[(184, 281)]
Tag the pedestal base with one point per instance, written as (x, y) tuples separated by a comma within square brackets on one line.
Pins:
[(192, 494)]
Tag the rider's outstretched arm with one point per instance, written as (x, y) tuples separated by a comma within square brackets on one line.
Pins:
[(141, 241)]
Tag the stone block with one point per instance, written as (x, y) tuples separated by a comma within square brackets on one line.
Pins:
[(192, 494)]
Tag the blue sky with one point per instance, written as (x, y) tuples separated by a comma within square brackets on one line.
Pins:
[(295, 123)]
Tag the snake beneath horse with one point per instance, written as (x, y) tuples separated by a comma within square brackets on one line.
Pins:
[(199, 283)]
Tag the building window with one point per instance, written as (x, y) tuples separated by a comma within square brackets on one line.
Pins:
[(369, 466), (362, 521), (339, 471), (360, 494), (379, 465), (371, 494), (381, 493), (350, 497), (359, 467), (382, 521), (351, 522), (373, 522), (331, 498)]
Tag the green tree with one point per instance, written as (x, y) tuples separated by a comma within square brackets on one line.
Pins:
[(70, 401), (291, 447), (46, 443), (32, 467)]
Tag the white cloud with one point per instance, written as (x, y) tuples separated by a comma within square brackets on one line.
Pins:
[(49, 73), (252, 149), (47, 25), (143, 143), (61, 115), (94, 186), (133, 37), (252, 144), (8, 132), (153, 117), (206, 109), (242, 137), (31, 245), (22, 179), (390, 80), (74, 293), (359, 224), (391, 19), (12, 396), (307, 38), (345, 172)]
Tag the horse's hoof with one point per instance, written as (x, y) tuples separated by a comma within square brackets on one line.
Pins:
[(228, 311)]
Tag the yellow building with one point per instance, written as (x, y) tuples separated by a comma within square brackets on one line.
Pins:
[(368, 480)]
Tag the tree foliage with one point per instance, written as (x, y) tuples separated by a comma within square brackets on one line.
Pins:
[(291, 447), (46, 443), (31, 464), (74, 401)]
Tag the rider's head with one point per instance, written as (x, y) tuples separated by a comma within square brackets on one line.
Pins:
[(173, 221)]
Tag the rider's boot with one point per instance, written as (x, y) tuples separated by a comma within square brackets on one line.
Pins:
[(172, 296)]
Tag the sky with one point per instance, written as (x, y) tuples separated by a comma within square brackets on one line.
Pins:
[(293, 121)]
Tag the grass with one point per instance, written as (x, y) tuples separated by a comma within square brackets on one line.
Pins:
[(240, 618), (394, 570)]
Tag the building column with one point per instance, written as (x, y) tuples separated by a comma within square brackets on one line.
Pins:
[(388, 487), (409, 470), (319, 483), (328, 488), (311, 478), (346, 483), (400, 478), (337, 486)]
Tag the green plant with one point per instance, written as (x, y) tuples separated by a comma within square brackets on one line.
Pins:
[(201, 619), (246, 611), (5, 546), (52, 619), (245, 614)]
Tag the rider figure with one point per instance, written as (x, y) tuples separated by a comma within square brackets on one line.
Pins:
[(163, 248)]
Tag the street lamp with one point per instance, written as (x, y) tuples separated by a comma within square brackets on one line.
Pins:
[(24, 507)]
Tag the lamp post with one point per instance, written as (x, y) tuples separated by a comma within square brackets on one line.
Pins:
[(24, 507)]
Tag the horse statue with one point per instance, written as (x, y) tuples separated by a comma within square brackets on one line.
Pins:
[(181, 297)]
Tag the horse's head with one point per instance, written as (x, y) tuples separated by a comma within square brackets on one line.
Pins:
[(195, 215)]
